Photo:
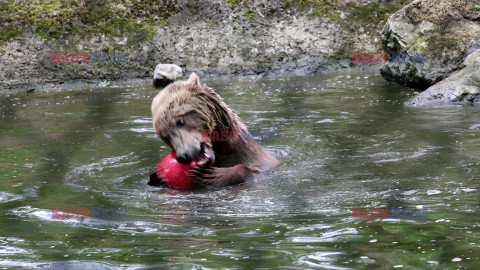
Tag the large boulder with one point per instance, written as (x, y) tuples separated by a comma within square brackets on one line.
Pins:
[(165, 74), (445, 30), (463, 86)]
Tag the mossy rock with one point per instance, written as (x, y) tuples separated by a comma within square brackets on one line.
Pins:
[(445, 30), (463, 86), (60, 21)]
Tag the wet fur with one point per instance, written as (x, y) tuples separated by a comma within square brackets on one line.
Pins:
[(199, 107)]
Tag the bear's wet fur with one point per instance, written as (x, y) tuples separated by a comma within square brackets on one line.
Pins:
[(182, 112)]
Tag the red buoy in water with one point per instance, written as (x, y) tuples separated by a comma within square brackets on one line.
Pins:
[(176, 173)]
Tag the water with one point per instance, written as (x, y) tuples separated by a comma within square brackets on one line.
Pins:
[(345, 141)]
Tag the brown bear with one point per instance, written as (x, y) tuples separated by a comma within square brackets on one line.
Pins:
[(185, 115)]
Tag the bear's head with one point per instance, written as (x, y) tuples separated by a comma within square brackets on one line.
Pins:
[(183, 111)]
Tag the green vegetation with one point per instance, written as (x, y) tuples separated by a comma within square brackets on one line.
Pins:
[(60, 20), (371, 13), (8, 33), (322, 8), (236, 2), (233, 2), (250, 14)]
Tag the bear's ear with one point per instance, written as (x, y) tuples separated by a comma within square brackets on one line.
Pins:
[(194, 81)]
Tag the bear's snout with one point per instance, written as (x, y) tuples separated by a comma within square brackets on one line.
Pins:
[(204, 155), (184, 158)]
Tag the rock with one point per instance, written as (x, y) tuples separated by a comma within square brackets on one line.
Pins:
[(165, 74), (463, 86), (211, 37), (446, 30), (475, 126)]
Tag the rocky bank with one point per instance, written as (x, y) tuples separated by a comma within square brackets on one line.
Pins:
[(448, 31), (463, 86), (211, 37)]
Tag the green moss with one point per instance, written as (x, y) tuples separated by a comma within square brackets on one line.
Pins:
[(250, 14), (233, 2), (212, 23), (7, 29), (194, 9), (60, 20), (372, 13), (7, 33), (236, 2), (320, 8)]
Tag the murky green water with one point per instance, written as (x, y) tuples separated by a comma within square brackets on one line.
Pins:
[(345, 139)]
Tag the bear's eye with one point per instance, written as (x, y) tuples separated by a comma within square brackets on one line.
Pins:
[(180, 123)]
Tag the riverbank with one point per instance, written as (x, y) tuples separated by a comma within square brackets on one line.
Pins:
[(212, 38)]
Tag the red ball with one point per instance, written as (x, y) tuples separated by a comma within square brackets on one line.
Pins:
[(177, 173)]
